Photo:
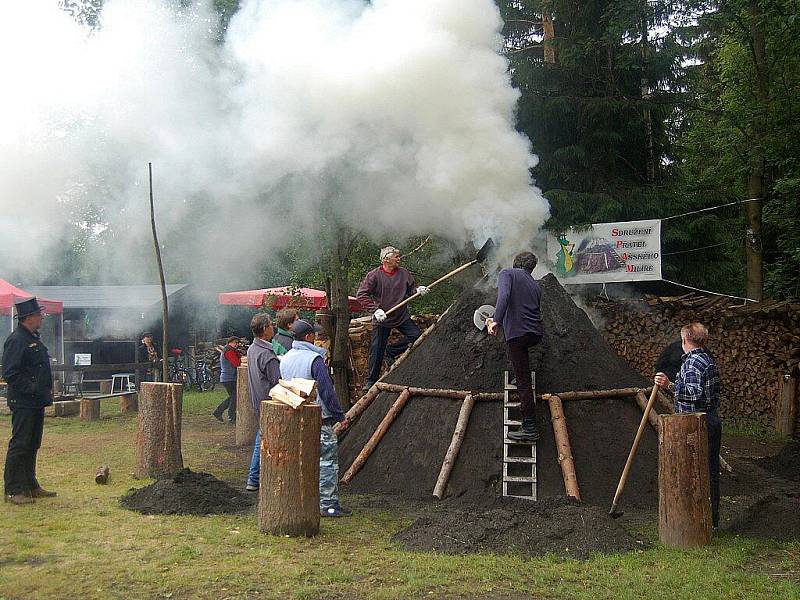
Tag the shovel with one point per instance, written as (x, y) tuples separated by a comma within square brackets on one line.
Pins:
[(479, 258), (614, 513)]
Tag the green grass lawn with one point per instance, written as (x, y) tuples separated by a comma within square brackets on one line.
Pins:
[(82, 544)]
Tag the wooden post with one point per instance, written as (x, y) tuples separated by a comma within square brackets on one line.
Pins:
[(455, 445), (358, 408), (128, 403), (370, 446), (90, 409), (563, 447), (288, 496), (158, 430), (786, 411), (246, 418), (652, 416), (684, 496)]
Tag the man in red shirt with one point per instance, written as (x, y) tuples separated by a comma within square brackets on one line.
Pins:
[(382, 289), (229, 361)]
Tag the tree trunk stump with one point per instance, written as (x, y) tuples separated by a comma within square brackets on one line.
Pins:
[(288, 496), (158, 430), (246, 418), (128, 403), (786, 411), (684, 493), (90, 409)]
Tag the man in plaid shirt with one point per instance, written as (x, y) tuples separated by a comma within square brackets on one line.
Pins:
[(696, 389)]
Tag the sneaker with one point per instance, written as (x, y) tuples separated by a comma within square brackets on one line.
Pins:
[(218, 417), (251, 487), (334, 511), (39, 492)]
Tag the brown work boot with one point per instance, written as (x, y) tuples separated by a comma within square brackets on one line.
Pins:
[(42, 493), (18, 499)]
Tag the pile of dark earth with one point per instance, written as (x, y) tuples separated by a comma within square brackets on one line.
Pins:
[(786, 463), (188, 493), (572, 356), (556, 525), (775, 515)]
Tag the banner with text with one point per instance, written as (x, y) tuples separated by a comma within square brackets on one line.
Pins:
[(607, 252)]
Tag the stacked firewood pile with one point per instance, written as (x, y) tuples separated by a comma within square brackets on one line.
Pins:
[(756, 346), (360, 339)]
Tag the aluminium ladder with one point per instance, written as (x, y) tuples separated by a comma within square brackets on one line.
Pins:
[(519, 458)]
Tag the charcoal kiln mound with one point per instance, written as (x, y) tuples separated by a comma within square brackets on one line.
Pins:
[(573, 356), (785, 463), (560, 526), (187, 493)]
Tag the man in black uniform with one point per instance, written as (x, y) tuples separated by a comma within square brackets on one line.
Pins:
[(26, 369)]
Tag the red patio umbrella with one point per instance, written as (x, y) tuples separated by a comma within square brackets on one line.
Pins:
[(282, 297)]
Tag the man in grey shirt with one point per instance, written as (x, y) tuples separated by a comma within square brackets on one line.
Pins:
[(263, 373)]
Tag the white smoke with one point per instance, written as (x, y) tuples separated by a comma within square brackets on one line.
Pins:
[(396, 117)]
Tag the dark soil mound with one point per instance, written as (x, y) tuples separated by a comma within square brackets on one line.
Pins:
[(554, 525), (786, 463), (775, 516), (572, 356), (188, 493)]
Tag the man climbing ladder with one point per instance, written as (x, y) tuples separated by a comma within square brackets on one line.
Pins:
[(518, 313)]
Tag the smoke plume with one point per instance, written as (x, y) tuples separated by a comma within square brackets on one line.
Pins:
[(394, 118)]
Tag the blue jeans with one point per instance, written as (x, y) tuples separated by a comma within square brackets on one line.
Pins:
[(380, 337), (254, 475), (328, 468)]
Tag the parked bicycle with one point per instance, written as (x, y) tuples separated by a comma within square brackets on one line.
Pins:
[(202, 376), (178, 371)]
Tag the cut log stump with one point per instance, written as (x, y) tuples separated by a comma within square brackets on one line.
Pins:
[(158, 430), (684, 496), (90, 409), (128, 403), (288, 495), (246, 418)]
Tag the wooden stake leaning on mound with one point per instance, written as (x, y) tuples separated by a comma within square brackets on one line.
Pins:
[(373, 442), (455, 445), (563, 447)]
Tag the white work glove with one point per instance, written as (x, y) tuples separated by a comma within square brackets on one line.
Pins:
[(422, 290), (380, 315)]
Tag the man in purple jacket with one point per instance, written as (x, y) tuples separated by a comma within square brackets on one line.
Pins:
[(383, 288), (518, 313)]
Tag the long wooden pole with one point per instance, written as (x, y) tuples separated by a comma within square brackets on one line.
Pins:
[(641, 400), (373, 442), (455, 445), (564, 448), (164, 302), (588, 395), (435, 283), (357, 408), (624, 478)]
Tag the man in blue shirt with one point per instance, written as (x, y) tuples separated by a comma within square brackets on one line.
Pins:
[(519, 314), (697, 389), (307, 361)]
